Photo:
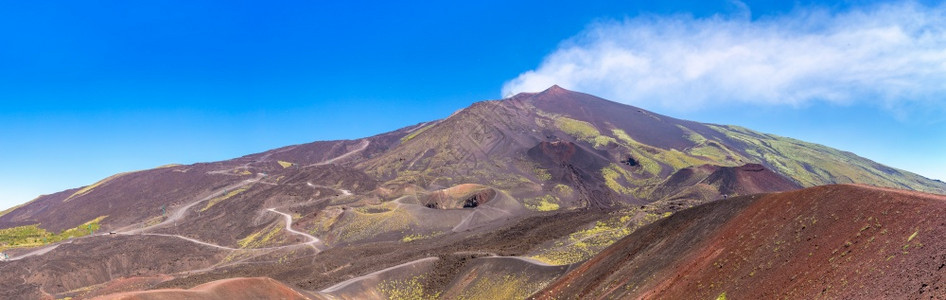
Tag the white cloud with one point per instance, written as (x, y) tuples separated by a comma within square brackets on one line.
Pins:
[(891, 55)]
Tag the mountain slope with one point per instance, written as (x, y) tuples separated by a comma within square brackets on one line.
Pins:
[(836, 241), (811, 164), (575, 171), (630, 151)]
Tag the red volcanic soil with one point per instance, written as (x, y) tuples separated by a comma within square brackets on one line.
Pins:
[(128, 284), (700, 184), (837, 241), (460, 196), (235, 288), (743, 180), (749, 179)]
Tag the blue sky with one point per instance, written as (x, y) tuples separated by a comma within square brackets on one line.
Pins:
[(92, 88)]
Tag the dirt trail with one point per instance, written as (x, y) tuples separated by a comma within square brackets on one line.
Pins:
[(481, 212), (527, 260), (312, 241), (364, 144), (344, 191), (494, 255), (177, 215), (346, 283), (192, 240), (231, 171), (39, 251)]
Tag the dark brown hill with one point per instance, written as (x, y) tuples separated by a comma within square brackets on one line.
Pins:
[(749, 179), (697, 185), (837, 241)]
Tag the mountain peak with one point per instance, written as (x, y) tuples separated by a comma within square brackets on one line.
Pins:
[(554, 89), (557, 91), (553, 94)]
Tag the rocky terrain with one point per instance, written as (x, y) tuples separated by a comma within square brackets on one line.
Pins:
[(555, 194)]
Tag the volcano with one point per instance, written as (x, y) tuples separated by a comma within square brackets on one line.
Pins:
[(503, 199)]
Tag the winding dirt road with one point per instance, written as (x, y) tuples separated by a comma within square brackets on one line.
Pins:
[(346, 283), (194, 241), (40, 251), (364, 144), (178, 214), (312, 241)]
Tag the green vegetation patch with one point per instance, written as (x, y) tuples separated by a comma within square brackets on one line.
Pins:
[(260, 238), (510, 286), (33, 235), (544, 203), (542, 174), (22, 236), (590, 240), (285, 164), (416, 237), (509, 181), (225, 196), (356, 225), (624, 137), (812, 164), (415, 133), (712, 150), (643, 154), (406, 289), (89, 188), (563, 190), (324, 220), (577, 128), (648, 156), (236, 256), (585, 243), (691, 135), (679, 160), (583, 131), (612, 174), (715, 152)]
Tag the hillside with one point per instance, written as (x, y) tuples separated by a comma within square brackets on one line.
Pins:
[(548, 179), (836, 242)]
